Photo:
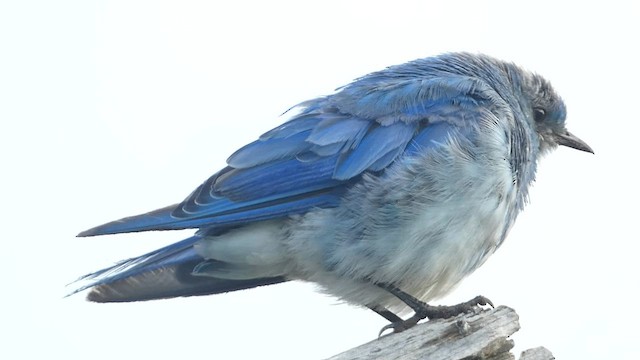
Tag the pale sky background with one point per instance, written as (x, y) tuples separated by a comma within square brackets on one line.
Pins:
[(110, 109)]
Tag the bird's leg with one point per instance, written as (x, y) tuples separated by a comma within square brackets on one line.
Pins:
[(423, 310), (385, 313)]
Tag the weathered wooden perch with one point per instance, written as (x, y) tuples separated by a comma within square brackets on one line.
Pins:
[(481, 335)]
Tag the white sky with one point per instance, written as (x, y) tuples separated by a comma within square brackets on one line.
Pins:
[(110, 109)]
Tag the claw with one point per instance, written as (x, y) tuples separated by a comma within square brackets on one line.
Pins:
[(387, 327), (400, 326), (481, 300)]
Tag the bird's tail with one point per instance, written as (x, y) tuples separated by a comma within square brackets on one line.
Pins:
[(160, 274)]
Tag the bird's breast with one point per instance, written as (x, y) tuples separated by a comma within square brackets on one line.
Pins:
[(427, 223)]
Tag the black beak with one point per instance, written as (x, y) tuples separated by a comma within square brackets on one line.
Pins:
[(572, 141)]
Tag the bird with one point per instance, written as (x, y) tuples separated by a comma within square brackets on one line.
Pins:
[(386, 193)]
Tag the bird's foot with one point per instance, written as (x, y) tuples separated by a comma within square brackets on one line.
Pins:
[(443, 312), (424, 310)]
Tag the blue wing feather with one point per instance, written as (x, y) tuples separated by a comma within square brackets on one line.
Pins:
[(220, 213), (276, 178), (338, 130), (385, 160), (327, 150), (431, 136), (263, 151), (312, 159), (379, 142), (294, 126)]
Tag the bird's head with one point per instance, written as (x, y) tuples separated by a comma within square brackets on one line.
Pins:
[(547, 114)]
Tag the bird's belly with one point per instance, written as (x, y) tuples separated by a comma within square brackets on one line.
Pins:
[(425, 257), (444, 247)]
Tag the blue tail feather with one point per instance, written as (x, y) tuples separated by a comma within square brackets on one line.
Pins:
[(163, 273)]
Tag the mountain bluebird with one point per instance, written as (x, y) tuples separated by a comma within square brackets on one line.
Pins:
[(386, 193)]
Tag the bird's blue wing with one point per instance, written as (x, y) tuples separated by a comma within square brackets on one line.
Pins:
[(311, 160)]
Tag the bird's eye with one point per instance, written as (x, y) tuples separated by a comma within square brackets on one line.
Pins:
[(539, 114)]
